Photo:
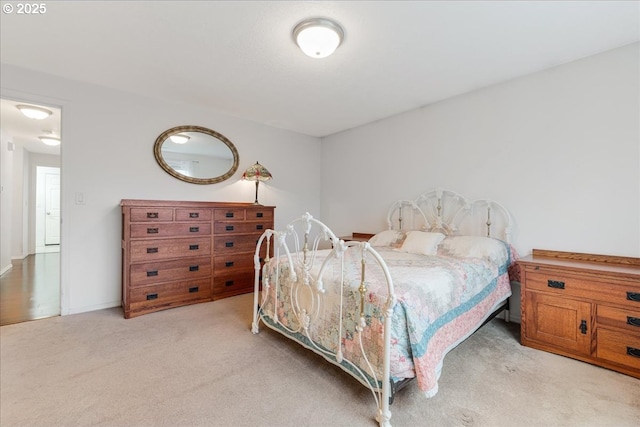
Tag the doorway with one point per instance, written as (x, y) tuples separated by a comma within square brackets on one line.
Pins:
[(31, 211), (47, 209)]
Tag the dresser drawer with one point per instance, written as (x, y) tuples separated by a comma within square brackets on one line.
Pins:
[(232, 263), (156, 249), (151, 214), (568, 285), (170, 229), (170, 293), (230, 214), (193, 214), (235, 243), (619, 347), (165, 271), (259, 214), (233, 284), (619, 318), (239, 227)]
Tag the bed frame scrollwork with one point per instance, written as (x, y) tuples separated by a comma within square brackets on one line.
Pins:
[(299, 244)]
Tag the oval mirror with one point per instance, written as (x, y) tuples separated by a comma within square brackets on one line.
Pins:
[(196, 154)]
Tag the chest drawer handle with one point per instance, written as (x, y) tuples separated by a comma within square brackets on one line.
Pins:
[(634, 321), (229, 228), (153, 215), (194, 247), (556, 284), (259, 227), (193, 289), (152, 273), (228, 215), (152, 250), (228, 264), (635, 352), (228, 244), (194, 214), (583, 327), (152, 230), (194, 268), (259, 214), (228, 283), (633, 296), (152, 296), (194, 229)]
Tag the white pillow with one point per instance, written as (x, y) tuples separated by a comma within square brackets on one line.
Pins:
[(387, 238), (474, 247), (422, 242)]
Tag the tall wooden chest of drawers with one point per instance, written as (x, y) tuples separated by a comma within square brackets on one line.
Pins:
[(583, 306), (176, 253)]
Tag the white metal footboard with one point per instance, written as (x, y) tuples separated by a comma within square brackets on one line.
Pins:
[(309, 279)]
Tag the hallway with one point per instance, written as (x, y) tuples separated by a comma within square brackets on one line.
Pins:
[(31, 289)]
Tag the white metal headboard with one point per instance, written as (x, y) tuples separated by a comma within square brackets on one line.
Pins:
[(451, 213)]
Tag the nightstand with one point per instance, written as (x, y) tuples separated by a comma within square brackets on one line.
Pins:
[(358, 237)]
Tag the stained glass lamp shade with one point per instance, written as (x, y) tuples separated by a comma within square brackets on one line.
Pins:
[(256, 173)]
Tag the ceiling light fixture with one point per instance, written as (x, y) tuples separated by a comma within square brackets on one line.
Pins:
[(179, 138), (50, 140), (34, 112), (318, 37)]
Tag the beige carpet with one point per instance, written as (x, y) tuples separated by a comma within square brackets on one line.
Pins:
[(201, 366)]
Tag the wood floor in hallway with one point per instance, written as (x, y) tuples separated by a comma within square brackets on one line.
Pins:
[(31, 289)]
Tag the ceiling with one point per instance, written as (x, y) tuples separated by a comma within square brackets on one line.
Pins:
[(238, 57)]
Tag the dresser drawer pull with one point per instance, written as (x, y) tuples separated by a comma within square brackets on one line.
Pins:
[(229, 228), (194, 214), (194, 229), (259, 214), (152, 273), (152, 230), (635, 352), (556, 284), (153, 215), (152, 250), (583, 327), (228, 244), (194, 247), (193, 289), (259, 227), (633, 296), (228, 283), (228, 264), (634, 321), (152, 296), (228, 215), (194, 268)]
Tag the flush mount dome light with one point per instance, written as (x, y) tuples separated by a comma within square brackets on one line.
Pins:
[(318, 37), (34, 112), (50, 140)]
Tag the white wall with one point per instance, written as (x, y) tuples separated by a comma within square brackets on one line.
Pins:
[(6, 201), (559, 148), (107, 153)]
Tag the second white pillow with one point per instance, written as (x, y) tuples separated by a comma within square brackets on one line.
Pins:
[(422, 242)]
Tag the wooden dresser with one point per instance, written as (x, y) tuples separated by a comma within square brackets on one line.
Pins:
[(583, 306), (176, 253)]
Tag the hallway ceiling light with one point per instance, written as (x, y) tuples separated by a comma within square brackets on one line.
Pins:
[(50, 140), (34, 112), (318, 37), (179, 138)]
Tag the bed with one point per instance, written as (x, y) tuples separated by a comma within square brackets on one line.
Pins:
[(388, 310)]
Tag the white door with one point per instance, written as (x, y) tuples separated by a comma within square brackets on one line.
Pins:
[(52, 209)]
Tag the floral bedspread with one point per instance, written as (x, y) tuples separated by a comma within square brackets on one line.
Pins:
[(440, 301)]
